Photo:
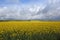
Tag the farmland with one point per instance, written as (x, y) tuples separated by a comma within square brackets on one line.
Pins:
[(30, 30)]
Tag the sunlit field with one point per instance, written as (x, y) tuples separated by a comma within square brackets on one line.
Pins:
[(30, 30)]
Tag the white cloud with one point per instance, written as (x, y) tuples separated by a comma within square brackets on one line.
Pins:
[(50, 11), (17, 12)]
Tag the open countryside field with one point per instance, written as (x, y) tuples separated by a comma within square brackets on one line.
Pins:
[(30, 30)]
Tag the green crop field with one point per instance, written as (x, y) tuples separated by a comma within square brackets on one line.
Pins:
[(30, 30)]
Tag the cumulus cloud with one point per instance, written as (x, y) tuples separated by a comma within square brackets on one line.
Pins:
[(48, 11), (52, 10), (19, 12)]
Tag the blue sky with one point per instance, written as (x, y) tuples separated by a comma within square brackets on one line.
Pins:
[(21, 1), (29, 9)]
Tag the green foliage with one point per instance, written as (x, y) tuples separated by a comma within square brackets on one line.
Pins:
[(18, 35)]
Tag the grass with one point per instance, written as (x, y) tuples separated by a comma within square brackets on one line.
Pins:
[(30, 30)]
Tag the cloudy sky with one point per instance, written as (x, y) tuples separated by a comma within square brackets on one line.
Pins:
[(29, 9)]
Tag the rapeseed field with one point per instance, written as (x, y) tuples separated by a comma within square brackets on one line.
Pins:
[(30, 30)]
